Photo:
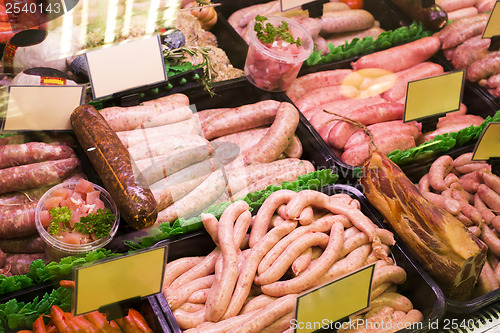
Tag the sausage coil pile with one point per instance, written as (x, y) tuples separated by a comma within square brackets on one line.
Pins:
[(27, 170), (297, 241), (468, 190), (186, 173), (265, 133)]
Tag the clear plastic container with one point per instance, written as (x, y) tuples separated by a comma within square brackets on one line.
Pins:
[(56, 249), (275, 68)]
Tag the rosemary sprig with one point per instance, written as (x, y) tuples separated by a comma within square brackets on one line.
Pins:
[(182, 54)]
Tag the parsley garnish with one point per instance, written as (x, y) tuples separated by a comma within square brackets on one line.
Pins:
[(99, 223), (60, 216), (268, 34)]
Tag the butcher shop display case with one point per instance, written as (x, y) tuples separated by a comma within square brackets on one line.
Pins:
[(212, 141)]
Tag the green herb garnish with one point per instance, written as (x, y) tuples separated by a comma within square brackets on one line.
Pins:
[(41, 272), (60, 216), (177, 62), (267, 33), (99, 223), (15, 315), (368, 44), (310, 181), (441, 143)]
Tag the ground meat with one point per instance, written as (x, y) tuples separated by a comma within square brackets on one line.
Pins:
[(197, 36), (191, 28)]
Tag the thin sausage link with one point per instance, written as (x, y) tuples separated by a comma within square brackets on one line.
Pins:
[(261, 222), (222, 289), (247, 275), (177, 267), (315, 271), (267, 315), (203, 268)]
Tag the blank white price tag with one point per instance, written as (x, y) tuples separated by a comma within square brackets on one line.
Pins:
[(38, 108), (126, 66), (289, 4)]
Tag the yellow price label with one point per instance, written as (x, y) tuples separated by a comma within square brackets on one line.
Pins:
[(334, 301), (488, 145), (493, 26), (119, 279), (434, 95)]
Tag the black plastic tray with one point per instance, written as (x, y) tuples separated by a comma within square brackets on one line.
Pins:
[(148, 306), (227, 39), (414, 173), (419, 287), (474, 304), (232, 94), (475, 101), (241, 92)]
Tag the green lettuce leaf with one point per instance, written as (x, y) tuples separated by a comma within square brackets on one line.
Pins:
[(313, 180), (441, 143), (17, 316), (358, 46)]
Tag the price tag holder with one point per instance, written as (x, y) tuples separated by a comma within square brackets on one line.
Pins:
[(315, 7), (493, 26), (38, 108), (118, 280), (488, 147), (333, 301), (126, 66), (428, 99)]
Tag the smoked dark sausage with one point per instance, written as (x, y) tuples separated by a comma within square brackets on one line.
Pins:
[(112, 162)]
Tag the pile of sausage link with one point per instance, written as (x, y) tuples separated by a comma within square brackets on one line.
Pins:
[(27, 170), (337, 25), (457, 9), (464, 45), (170, 148), (373, 94), (253, 289), (468, 190)]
